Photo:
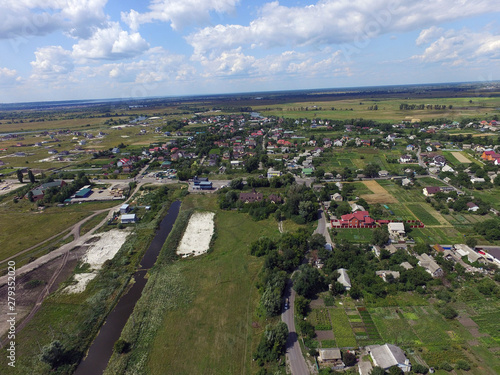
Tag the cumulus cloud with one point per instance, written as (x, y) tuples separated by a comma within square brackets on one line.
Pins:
[(29, 18), (51, 61), (110, 43), (8, 76), (335, 22), (179, 13), (460, 47)]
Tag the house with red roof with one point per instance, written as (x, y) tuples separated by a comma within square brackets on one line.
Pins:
[(356, 219)]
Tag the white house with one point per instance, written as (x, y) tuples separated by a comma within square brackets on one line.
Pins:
[(396, 230), (386, 356), (344, 278), (430, 265)]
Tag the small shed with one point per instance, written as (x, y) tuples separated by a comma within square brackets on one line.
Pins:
[(124, 208)]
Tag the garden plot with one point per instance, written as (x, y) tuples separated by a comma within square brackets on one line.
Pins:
[(380, 195), (198, 234), (461, 157), (103, 249)]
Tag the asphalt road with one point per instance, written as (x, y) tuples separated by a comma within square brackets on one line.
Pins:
[(297, 362)]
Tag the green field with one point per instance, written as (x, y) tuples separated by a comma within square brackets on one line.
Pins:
[(342, 328), (423, 214), (42, 224), (217, 317), (360, 235)]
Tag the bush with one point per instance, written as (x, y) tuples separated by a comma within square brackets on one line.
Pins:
[(32, 284), (121, 346), (463, 365), (420, 369), (446, 366), (448, 312)]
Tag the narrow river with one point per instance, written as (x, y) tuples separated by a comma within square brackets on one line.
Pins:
[(102, 347)]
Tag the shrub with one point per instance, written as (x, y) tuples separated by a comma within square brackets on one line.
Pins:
[(32, 284), (121, 346), (448, 312), (420, 369), (463, 365), (446, 366)]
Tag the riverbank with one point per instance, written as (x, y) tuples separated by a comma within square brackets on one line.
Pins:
[(75, 319)]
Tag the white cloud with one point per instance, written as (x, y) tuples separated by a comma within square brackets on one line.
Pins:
[(334, 22), (460, 47), (51, 61), (8, 76), (110, 43), (427, 35), (28, 18), (179, 13)]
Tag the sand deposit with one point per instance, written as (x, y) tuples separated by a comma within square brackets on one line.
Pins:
[(98, 252), (198, 234)]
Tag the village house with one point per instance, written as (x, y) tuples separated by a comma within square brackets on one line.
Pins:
[(405, 159), (396, 231), (344, 278), (430, 265), (431, 190), (471, 206), (385, 273), (332, 357), (388, 355), (251, 197)]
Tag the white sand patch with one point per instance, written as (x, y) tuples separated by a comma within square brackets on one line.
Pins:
[(198, 234), (82, 279), (98, 252)]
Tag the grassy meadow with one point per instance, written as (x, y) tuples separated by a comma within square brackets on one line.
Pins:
[(212, 314)]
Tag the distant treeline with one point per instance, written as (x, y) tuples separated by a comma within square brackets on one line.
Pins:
[(409, 107)]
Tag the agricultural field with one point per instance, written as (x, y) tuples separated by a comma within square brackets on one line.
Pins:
[(388, 108)]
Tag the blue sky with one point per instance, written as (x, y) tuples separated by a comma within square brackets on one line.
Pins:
[(88, 49)]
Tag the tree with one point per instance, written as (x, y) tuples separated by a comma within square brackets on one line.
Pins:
[(448, 312), (121, 346), (471, 242), (371, 170), (377, 371), (317, 241), (308, 281), (420, 369), (380, 235), (52, 353), (395, 370), (349, 358), (20, 176), (30, 196), (31, 176), (237, 183)]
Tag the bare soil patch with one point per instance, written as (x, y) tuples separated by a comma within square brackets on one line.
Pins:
[(467, 322), (318, 302), (475, 332), (26, 297), (324, 335), (380, 195)]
